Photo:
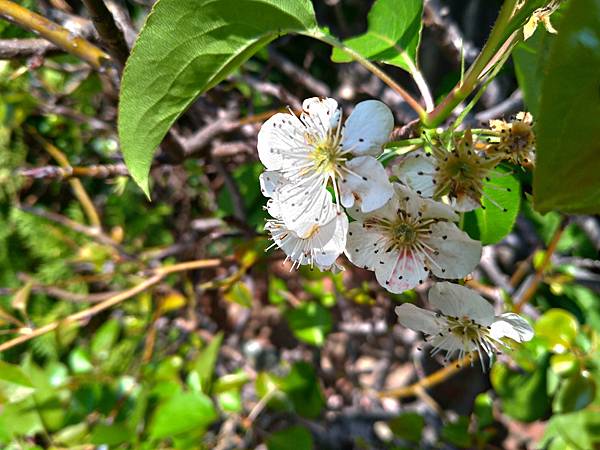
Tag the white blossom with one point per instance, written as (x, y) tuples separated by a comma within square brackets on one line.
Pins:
[(465, 323), (315, 151), (409, 237)]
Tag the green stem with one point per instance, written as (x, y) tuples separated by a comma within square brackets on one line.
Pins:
[(464, 88), (328, 39)]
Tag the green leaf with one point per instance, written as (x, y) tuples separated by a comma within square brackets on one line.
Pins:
[(501, 201), (293, 438), (408, 426), (104, 339), (530, 58), (523, 394), (310, 323), (302, 388), (204, 365), (392, 37), (580, 430), (15, 385), (483, 409), (564, 365), (112, 435), (185, 48), (568, 136), (558, 328), (457, 433), (575, 393), (183, 412)]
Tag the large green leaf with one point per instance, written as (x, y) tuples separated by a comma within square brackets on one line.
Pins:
[(392, 37), (568, 135), (501, 201), (185, 48)]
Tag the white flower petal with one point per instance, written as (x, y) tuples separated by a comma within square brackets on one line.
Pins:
[(274, 208), (269, 182), (457, 254), (335, 245), (464, 203), (367, 183), (306, 204), (279, 137), (361, 246), (417, 319), (399, 271), (417, 171), (513, 326), (438, 210), (368, 128), (322, 114), (388, 211), (458, 301)]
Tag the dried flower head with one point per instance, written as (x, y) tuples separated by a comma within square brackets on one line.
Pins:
[(516, 140), (458, 174)]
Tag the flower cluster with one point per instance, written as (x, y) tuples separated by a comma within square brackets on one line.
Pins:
[(328, 194)]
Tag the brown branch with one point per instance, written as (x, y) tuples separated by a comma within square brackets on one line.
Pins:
[(110, 34), (53, 32), (95, 171), (430, 380), (25, 48)]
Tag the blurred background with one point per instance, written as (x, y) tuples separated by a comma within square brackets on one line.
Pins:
[(246, 353)]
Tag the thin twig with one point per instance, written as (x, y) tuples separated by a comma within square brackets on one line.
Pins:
[(25, 48), (95, 171), (158, 275), (110, 34), (76, 185), (431, 380), (56, 34)]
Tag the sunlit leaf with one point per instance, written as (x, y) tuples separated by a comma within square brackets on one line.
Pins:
[(185, 48)]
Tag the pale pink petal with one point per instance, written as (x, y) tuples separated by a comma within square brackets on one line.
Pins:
[(399, 271), (363, 247)]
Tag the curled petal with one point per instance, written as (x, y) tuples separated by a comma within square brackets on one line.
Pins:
[(512, 326), (306, 204), (333, 247)]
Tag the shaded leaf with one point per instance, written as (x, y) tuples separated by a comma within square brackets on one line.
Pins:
[(568, 135)]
